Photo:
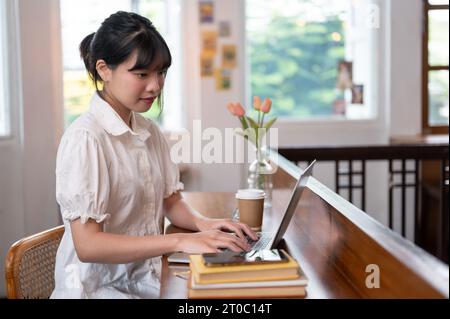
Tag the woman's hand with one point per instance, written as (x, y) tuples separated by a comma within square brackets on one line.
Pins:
[(211, 241), (227, 225)]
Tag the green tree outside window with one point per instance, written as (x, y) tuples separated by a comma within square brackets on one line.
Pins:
[(294, 59)]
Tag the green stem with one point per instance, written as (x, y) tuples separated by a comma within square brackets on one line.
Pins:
[(257, 131), (262, 121)]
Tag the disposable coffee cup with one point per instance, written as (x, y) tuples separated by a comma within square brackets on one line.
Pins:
[(251, 207)]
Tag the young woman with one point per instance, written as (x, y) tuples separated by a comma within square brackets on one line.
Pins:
[(115, 181)]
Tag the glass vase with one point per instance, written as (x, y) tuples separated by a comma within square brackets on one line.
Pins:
[(260, 174)]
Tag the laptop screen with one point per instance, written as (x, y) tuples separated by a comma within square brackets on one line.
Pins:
[(292, 205)]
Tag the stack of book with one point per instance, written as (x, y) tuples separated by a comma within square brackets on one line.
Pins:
[(272, 280)]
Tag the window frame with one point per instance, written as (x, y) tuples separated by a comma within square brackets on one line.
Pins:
[(375, 113), (427, 68), (13, 72), (4, 107)]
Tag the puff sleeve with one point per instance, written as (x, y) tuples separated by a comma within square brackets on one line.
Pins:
[(82, 180)]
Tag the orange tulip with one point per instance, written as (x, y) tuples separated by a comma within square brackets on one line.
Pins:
[(230, 107), (257, 103), (266, 105), (236, 109), (239, 110)]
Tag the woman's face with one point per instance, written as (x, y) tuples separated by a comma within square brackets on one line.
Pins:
[(135, 90)]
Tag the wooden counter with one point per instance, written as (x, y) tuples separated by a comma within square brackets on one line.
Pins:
[(336, 244)]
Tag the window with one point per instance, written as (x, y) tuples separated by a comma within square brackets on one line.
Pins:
[(82, 17), (295, 48), (435, 104), (4, 118)]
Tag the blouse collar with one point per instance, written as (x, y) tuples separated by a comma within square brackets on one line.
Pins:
[(114, 124)]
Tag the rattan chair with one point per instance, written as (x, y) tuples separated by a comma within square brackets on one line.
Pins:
[(30, 265)]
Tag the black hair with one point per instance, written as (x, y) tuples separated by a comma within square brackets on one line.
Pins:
[(117, 38)]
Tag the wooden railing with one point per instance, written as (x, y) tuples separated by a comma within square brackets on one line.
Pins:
[(402, 152)]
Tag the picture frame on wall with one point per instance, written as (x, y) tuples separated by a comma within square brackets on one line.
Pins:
[(229, 56), (224, 29), (207, 64), (345, 75), (206, 10), (209, 41), (223, 79), (358, 94)]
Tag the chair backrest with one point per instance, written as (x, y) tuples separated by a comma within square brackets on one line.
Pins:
[(30, 265)]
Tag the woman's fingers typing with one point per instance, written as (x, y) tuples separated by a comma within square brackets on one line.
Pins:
[(214, 240), (240, 242), (222, 234), (249, 231), (240, 229), (234, 240), (235, 228), (229, 245)]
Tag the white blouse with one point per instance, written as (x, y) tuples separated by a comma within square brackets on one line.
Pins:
[(112, 174)]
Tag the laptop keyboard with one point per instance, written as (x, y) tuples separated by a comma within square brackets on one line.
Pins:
[(262, 242)]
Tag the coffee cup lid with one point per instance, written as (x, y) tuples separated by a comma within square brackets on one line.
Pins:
[(250, 194)]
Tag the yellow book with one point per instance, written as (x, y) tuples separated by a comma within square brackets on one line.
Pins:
[(291, 289), (203, 274)]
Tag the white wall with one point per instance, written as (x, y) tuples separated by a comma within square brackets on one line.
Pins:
[(203, 102), (27, 160), (405, 73), (42, 108)]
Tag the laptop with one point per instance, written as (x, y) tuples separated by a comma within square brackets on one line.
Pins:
[(268, 240)]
